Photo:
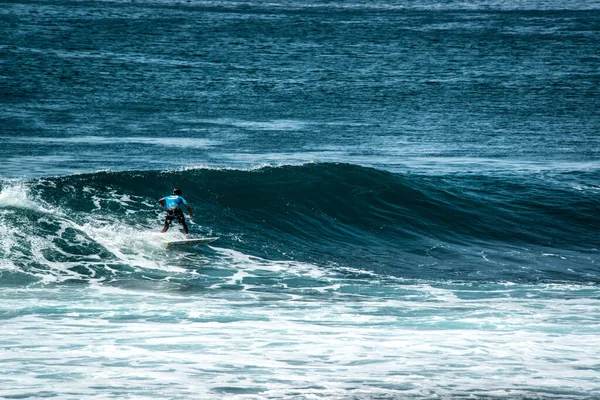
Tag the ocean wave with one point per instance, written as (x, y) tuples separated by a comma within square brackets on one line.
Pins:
[(469, 227)]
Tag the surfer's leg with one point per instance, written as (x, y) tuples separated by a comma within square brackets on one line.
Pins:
[(185, 227), (181, 219), (168, 220)]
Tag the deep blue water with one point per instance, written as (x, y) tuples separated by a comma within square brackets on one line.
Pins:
[(406, 196)]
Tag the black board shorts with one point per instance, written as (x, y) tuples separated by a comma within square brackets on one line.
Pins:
[(175, 213)]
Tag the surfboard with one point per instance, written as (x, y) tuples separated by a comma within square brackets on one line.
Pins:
[(190, 242)]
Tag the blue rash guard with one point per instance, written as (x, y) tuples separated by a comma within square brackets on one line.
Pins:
[(174, 201)]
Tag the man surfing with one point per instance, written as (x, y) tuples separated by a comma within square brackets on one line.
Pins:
[(173, 204)]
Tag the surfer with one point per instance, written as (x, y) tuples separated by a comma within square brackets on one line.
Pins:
[(173, 204)]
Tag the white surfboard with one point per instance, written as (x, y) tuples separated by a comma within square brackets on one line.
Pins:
[(190, 242)]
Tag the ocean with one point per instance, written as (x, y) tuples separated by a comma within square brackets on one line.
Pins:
[(406, 195)]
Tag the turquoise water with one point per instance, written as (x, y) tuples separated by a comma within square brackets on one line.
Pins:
[(406, 197)]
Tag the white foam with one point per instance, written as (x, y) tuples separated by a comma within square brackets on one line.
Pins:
[(50, 261), (16, 194), (207, 346), (250, 167), (132, 245), (7, 265), (251, 263)]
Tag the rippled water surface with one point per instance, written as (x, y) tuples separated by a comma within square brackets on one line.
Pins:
[(406, 197)]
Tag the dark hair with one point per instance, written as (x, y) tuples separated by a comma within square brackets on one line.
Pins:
[(177, 191)]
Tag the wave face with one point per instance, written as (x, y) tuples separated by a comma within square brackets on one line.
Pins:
[(105, 225)]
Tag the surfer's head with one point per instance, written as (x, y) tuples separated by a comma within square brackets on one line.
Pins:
[(177, 191)]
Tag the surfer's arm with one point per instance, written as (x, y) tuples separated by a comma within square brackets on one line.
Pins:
[(189, 211), (161, 202)]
